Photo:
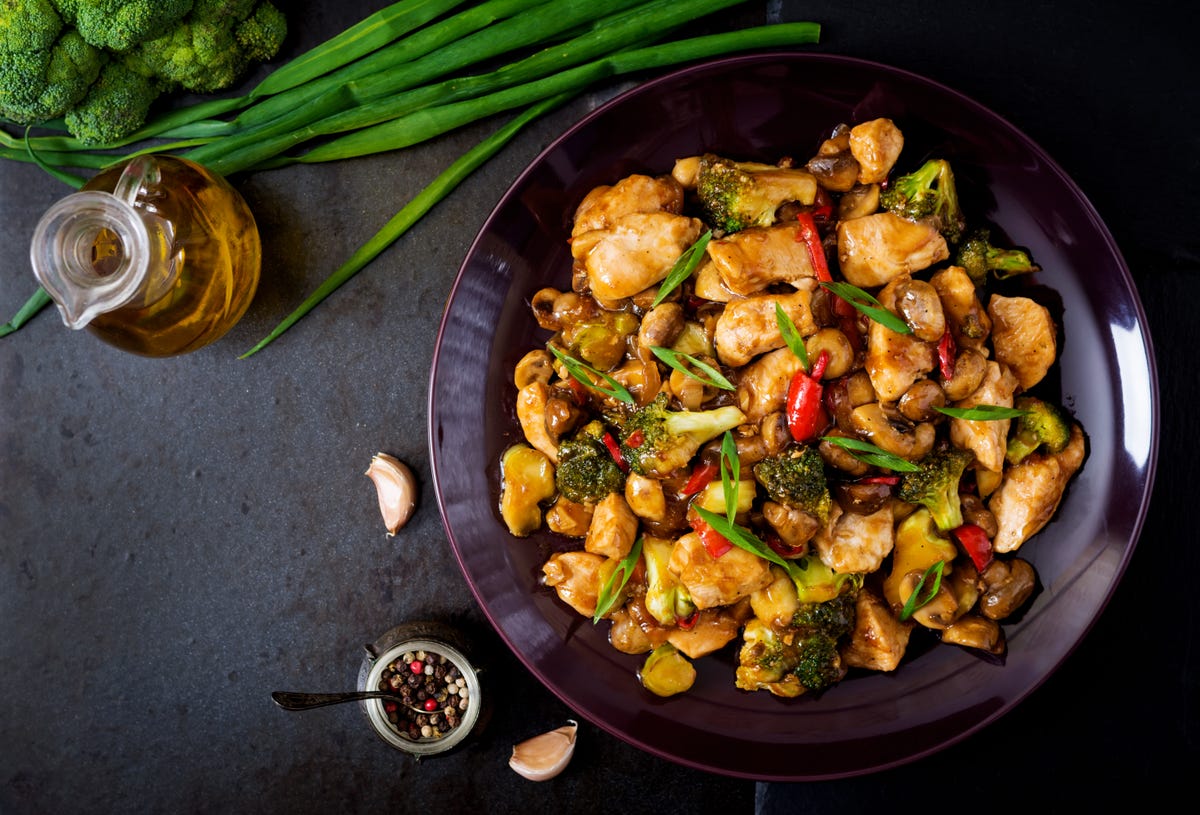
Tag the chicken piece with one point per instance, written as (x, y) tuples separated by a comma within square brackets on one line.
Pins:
[(969, 323), (879, 640), (747, 328), (708, 285), (576, 577), (988, 440), (628, 637), (714, 629), (876, 249), (1023, 337), (876, 145), (531, 413), (719, 581), (895, 361), (752, 259), (569, 518), (634, 253), (1031, 491), (613, 528), (762, 387), (604, 206), (852, 543)]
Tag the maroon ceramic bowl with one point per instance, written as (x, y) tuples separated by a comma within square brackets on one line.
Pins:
[(763, 107)]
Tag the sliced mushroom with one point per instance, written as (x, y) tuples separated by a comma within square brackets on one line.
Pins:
[(917, 302), (919, 402), (1007, 584), (973, 631)]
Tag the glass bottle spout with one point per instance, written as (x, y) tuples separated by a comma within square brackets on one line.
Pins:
[(97, 251)]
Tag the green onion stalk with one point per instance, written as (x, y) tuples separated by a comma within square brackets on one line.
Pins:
[(399, 78)]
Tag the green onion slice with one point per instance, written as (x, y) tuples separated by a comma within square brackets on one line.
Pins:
[(982, 413), (913, 603), (865, 451), (745, 539), (580, 370), (791, 335), (711, 376), (868, 305), (731, 474), (683, 267), (611, 591)]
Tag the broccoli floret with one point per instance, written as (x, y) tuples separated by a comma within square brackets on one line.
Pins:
[(120, 25), (1044, 424), (667, 600), (28, 25), (817, 583), (656, 441), (797, 479), (834, 618), (115, 105), (935, 485), (927, 194), (586, 471), (46, 84), (203, 53), (978, 257), (799, 657), (736, 195)]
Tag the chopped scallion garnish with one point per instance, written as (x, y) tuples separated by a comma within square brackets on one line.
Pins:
[(868, 305), (683, 267), (611, 591), (708, 376), (865, 451), (579, 371)]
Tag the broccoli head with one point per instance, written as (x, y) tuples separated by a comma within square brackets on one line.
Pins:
[(736, 195), (978, 257), (586, 471), (40, 85), (797, 479), (934, 485), (667, 599), (28, 25), (927, 194), (116, 105), (1043, 424), (212, 47), (656, 441), (788, 661), (120, 25), (833, 617)]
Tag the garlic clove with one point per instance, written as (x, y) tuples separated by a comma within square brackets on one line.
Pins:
[(543, 757), (396, 489)]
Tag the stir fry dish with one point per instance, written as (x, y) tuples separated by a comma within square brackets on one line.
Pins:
[(788, 409)]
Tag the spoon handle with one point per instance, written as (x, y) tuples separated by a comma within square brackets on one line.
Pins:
[(289, 700)]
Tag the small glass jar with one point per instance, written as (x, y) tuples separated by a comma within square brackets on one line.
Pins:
[(392, 658), (158, 256)]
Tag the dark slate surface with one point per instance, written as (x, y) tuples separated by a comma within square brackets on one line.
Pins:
[(180, 537)]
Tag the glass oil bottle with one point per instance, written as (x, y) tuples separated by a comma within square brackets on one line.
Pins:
[(158, 256)]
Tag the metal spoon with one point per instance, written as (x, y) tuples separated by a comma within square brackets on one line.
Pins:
[(289, 700)]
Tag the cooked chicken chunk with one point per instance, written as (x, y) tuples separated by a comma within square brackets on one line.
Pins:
[(635, 252), (878, 248), (747, 328), (1023, 336), (714, 629), (531, 413), (613, 528), (876, 145), (969, 323), (604, 206), (762, 387), (750, 260), (986, 439), (575, 576), (879, 640), (856, 543), (717, 581), (708, 285), (895, 361), (1031, 491), (795, 527)]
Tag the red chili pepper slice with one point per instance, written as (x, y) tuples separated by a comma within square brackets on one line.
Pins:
[(805, 412), (636, 439), (890, 480), (785, 550), (975, 543), (689, 622), (822, 206), (579, 392), (614, 450), (714, 542), (946, 352), (701, 477), (812, 239)]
